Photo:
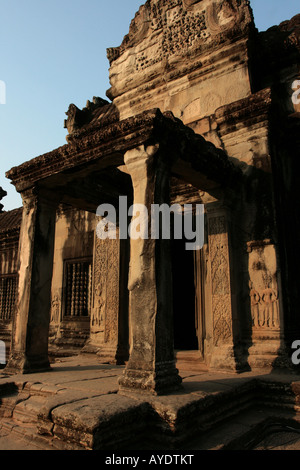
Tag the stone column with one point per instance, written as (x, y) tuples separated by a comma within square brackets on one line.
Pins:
[(29, 347), (151, 367)]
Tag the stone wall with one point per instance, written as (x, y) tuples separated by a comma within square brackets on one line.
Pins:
[(9, 250), (97, 269), (74, 237)]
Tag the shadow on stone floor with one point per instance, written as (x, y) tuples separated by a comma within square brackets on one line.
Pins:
[(77, 405)]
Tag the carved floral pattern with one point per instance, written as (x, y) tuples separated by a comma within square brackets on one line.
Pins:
[(106, 288), (220, 278)]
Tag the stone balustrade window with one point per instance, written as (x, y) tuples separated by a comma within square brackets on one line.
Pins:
[(78, 288), (8, 292)]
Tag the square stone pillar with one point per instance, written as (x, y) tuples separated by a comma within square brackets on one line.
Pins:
[(224, 354), (151, 367), (29, 347)]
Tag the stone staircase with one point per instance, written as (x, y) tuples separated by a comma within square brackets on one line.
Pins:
[(20, 408), (25, 415), (70, 343), (190, 360), (217, 413)]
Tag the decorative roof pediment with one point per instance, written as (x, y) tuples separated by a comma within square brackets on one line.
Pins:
[(173, 46), (179, 25)]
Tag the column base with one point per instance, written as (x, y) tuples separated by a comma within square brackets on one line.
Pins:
[(228, 358), (267, 351), (19, 363), (163, 380), (109, 353)]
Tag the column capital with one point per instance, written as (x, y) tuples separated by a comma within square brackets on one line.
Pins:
[(32, 196), (140, 154)]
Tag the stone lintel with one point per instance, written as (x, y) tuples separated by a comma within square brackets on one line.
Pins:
[(103, 143)]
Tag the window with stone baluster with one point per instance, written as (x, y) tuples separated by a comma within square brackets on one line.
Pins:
[(8, 292), (77, 287)]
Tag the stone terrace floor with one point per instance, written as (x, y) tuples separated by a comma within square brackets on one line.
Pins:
[(76, 406)]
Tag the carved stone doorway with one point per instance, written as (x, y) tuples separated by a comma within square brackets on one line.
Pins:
[(188, 313), (185, 334)]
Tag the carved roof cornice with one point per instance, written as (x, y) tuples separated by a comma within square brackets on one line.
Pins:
[(91, 143), (105, 144), (10, 223), (244, 113)]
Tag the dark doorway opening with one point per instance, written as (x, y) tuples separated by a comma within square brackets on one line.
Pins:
[(185, 335)]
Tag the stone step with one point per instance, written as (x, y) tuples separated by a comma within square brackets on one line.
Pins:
[(20, 413), (96, 422), (246, 430), (60, 352), (243, 432), (188, 355), (8, 403), (27, 411), (70, 342), (190, 360), (22, 401), (27, 438), (83, 417), (70, 339)]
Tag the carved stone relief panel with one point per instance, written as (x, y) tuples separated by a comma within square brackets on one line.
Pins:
[(224, 15), (105, 309), (263, 287), (220, 279), (99, 284), (178, 30), (112, 292), (55, 309)]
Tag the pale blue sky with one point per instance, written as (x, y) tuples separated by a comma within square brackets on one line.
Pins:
[(53, 53)]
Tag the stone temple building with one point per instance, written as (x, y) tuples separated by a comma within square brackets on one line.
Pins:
[(202, 109)]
